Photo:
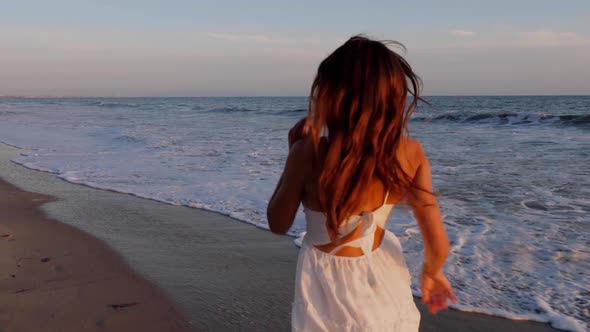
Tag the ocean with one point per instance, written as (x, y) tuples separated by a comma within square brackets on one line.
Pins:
[(512, 175)]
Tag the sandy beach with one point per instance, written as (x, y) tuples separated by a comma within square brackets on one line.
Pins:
[(57, 278), (82, 259)]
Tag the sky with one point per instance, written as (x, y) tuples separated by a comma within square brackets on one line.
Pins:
[(272, 48)]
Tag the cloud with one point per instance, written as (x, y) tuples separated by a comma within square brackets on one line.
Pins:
[(503, 36), (245, 38), (462, 33), (549, 38)]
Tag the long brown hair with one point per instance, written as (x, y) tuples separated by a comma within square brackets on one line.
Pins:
[(360, 96)]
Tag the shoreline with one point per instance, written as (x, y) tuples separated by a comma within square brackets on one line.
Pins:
[(241, 275)]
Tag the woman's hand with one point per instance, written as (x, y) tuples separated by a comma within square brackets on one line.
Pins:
[(298, 132), (436, 289)]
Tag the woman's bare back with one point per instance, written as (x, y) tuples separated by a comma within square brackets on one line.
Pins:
[(409, 157)]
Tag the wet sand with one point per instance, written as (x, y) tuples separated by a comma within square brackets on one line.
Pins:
[(231, 277), (57, 278)]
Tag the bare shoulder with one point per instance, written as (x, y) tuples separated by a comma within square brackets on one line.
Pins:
[(412, 151), (301, 155), (302, 149)]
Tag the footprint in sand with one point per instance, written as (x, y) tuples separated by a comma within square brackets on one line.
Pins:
[(6, 236)]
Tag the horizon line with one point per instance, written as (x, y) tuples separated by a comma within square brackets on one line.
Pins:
[(281, 96)]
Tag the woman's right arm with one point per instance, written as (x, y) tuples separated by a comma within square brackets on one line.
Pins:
[(427, 213), (435, 286)]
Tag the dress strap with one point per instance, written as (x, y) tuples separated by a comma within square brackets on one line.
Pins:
[(368, 232), (386, 197)]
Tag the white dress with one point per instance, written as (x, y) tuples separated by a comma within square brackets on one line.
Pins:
[(367, 293)]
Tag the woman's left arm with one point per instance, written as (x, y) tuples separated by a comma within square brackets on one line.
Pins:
[(287, 196)]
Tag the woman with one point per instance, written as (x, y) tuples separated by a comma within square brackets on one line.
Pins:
[(350, 161)]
